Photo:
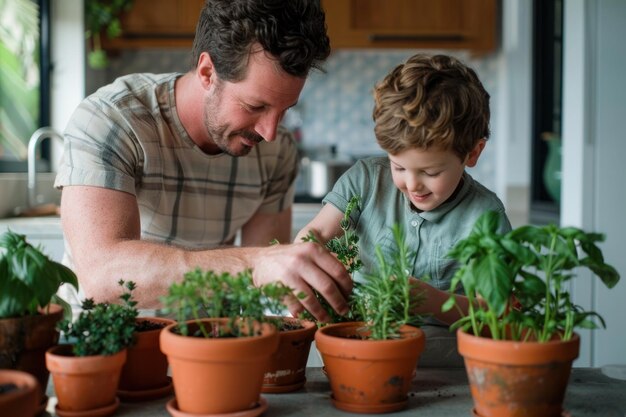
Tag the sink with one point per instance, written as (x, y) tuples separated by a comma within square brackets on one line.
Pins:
[(14, 192)]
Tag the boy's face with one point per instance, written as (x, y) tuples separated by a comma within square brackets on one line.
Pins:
[(428, 177)]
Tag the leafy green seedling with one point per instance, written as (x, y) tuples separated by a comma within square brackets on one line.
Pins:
[(209, 294), (103, 328), (516, 282), (29, 279)]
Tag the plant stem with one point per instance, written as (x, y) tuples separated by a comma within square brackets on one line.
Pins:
[(549, 271)]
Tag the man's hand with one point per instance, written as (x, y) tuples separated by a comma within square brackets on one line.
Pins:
[(305, 267)]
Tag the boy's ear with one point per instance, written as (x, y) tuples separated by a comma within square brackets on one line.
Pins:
[(472, 157)]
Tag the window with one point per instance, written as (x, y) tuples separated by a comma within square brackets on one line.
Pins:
[(24, 78), (548, 52)]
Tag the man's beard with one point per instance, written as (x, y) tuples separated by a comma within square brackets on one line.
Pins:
[(223, 140), (217, 133)]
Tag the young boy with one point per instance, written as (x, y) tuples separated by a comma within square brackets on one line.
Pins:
[(431, 116)]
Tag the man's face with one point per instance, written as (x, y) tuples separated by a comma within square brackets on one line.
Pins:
[(239, 115)]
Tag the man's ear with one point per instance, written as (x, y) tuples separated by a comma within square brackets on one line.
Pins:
[(205, 72), (472, 157)]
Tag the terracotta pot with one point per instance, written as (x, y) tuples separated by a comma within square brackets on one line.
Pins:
[(369, 376), (218, 375), (84, 384), (24, 341), (517, 379), (25, 400), (144, 375), (286, 372)]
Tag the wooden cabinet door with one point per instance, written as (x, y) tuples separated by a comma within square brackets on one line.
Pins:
[(158, 23), (451, 24)]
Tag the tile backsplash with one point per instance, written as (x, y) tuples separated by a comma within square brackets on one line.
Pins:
[(335, 107)]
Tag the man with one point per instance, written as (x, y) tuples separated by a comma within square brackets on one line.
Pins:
[(161, 171)]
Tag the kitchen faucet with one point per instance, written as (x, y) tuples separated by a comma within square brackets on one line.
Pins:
[(36, 138)]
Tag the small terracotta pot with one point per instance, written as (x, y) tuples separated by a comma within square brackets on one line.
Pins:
[(24, 341), (84, 384), (287, 369), (144, 374), (517, 379), (218, 375), (369, 376), (25, 400)]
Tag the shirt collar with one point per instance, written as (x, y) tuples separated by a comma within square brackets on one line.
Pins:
[(436, 214)]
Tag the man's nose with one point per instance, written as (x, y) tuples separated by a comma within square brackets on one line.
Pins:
[(267, 125)]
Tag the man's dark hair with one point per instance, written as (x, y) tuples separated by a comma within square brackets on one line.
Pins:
[(292, 31)]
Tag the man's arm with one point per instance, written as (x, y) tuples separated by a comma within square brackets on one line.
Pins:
[(262, 228), (102, 229)]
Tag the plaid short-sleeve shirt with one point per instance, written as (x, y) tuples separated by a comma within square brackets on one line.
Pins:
[(127, 136)]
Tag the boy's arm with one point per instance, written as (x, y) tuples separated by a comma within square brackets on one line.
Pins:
[(434, 299), (325, 225)]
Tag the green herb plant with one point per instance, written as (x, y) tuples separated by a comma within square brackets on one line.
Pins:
[(209, 294), (346, 248), (103, 328), (516, 282), (387, 299), (29, 279)]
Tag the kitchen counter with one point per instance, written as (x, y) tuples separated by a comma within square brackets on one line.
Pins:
[(435, 392)]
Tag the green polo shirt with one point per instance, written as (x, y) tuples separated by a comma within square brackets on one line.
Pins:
[(429, 235)]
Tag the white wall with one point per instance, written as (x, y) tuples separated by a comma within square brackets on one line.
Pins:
[(514, 125), (594, 195), (68, 63)]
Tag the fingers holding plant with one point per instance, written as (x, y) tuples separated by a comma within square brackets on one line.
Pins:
[(306, 268)]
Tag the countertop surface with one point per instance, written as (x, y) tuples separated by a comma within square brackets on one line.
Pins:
[(435, 392)]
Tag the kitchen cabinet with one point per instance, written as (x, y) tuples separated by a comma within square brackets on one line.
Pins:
[(157, 23), (441, 24)]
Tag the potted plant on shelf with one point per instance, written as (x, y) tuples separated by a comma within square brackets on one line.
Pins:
[(518, 338), (86, 373), (103, 18), (371, 363), (218, 364), (29, 307)]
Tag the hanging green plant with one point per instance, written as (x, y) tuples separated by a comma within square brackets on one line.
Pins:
[(103, 17)]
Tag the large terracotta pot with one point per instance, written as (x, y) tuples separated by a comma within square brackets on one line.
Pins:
[(144, 375), (369, 376), (23, 401), (24, 341), (86, 385), (286, 372), (517, 379), (218, 375)]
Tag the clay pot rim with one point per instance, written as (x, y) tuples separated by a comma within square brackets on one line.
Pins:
[(516, 352), (163, 320), (268, 330), (407, 332), (308, 326), (193, 346), (53, 309), (370, 349), (23, 380), (58, 359)]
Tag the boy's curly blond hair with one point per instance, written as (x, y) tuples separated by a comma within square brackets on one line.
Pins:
[(431, 101)]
